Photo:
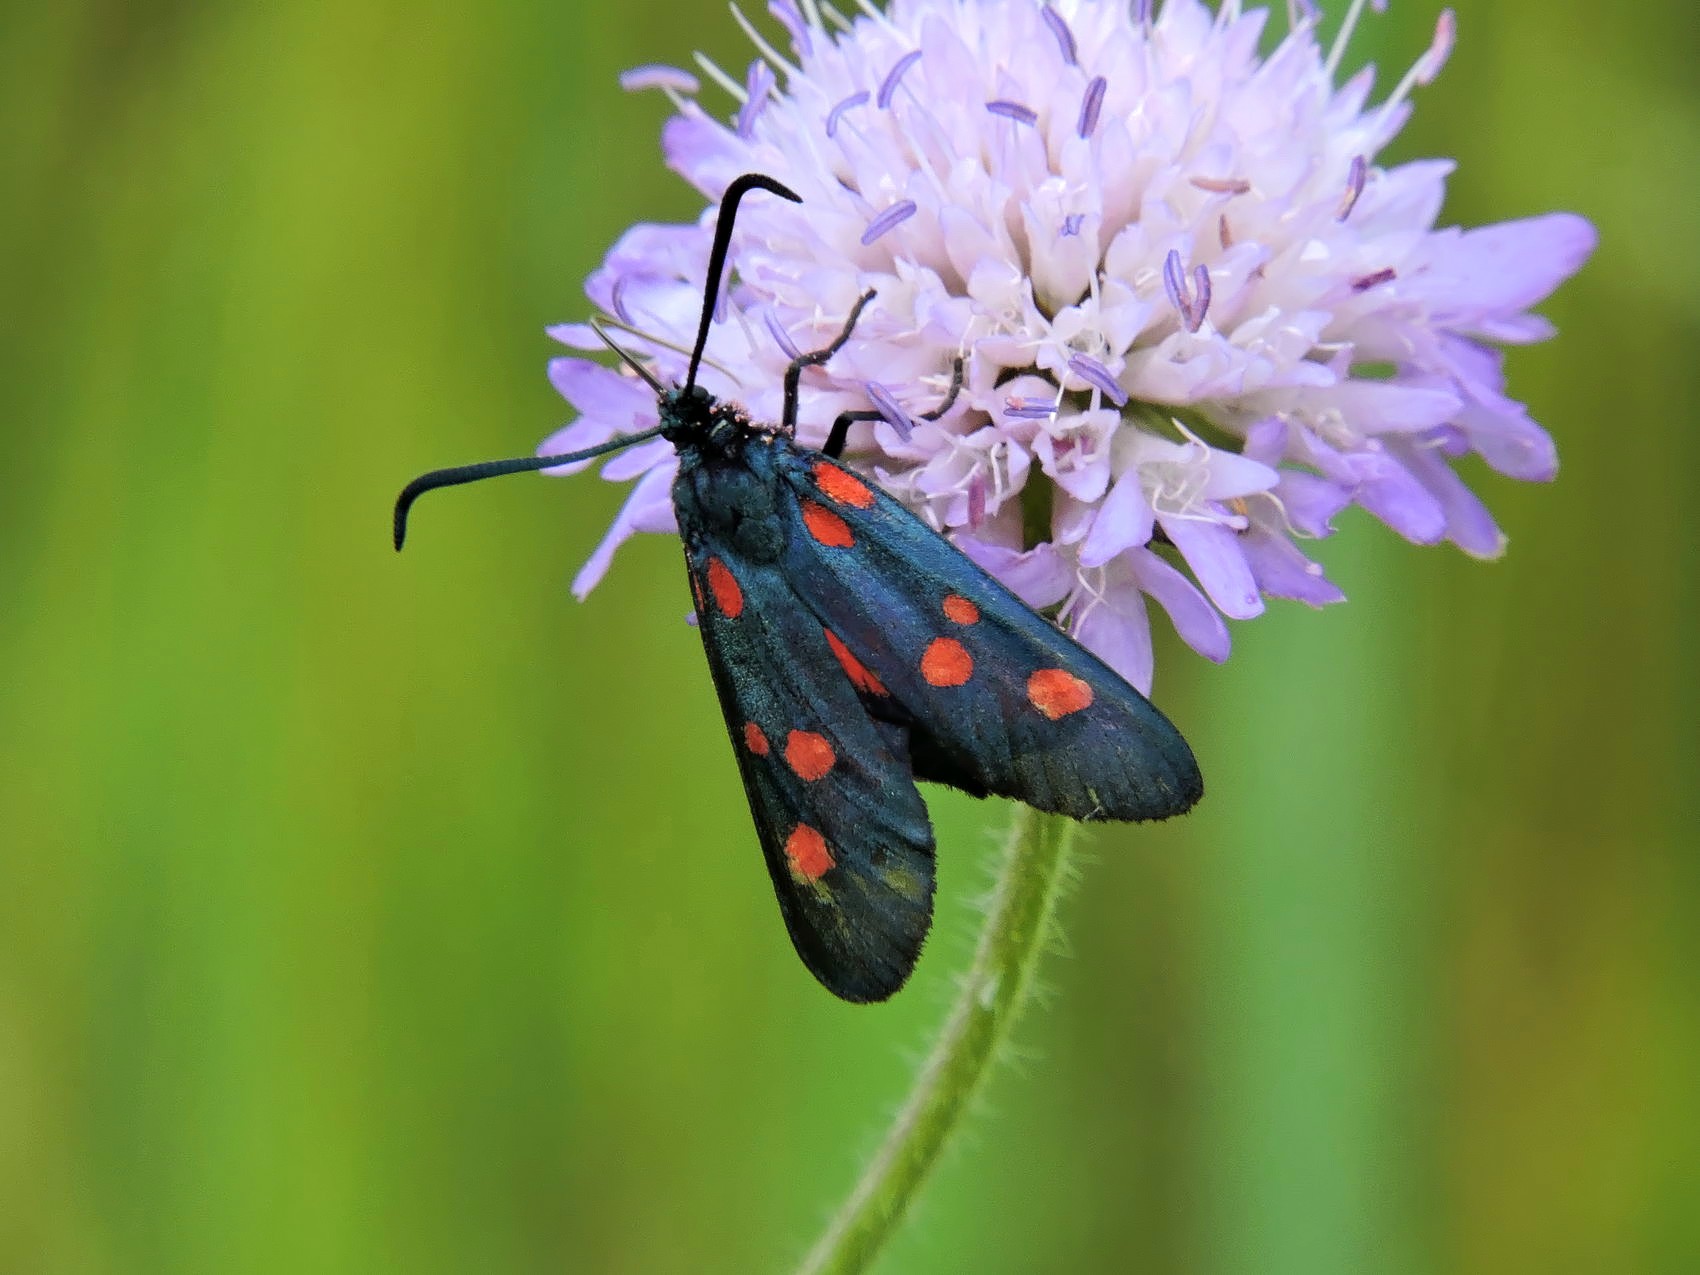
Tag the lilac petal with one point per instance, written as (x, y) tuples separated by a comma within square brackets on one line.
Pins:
[(1468, 523), (1195, 620), (1282, 570), (1213, 552), (597, 390), (1506, 267), (1509, 441), (648, 508), (1390, 493), (1118, 631), (1124, 521), (1311, 502), (1229, 474), (1039, 577)]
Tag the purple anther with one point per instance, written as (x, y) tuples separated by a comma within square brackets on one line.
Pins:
[(1354, 187), (617, 301), (1142, 12), (976, 500), (1091, 105), (1174, 283), (1375, 280), (857, 98), (1013, 111), (896, 215), (888, 86), (1201, 296), (781, 337), (1071, 223), (1222, 185), (786, 15), (1098, 376), (691, 618), (1059, 28), (887, 407), (1028, 409), (1445, 32), (757, 84), (657, 76)]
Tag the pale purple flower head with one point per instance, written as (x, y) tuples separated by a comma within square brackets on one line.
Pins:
[(1198, 318)]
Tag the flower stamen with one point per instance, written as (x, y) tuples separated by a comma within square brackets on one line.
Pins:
[(894, 216), (1354, 187), (888, 86), (1222, 185), (1013, 111), (1190, 302), (1090, 105), (1065, 37), (759, 83), (1098, 376), (858, 98), (888, 407), (1368, 281)]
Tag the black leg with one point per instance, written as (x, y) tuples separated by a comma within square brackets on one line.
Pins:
[(840, 431), (793, 373)]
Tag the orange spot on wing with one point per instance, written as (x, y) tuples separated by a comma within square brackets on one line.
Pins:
[(809, 754), (806, 849), (755, 739), (961, 610), (842, 486), (947, 663), (1056, 692), (858, 673), (826, 526), (727, 595), (696, 591)]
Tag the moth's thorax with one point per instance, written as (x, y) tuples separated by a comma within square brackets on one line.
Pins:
[(728, 491), (695, 421)]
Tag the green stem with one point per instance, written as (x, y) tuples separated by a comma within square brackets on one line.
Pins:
[(995, 991)]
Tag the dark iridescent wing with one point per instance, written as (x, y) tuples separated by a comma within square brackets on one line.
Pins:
[(995, 699), (841, 823)]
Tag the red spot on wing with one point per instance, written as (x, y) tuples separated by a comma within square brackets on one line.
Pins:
[(727, 595), (826, 526), (842, 486), (806, 849), (946, 663), (1056, 692), (961, 610), (809, 754), (858, 673), (755, 739)]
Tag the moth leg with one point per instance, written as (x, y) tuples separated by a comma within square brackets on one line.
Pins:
[(840, 431), (794, 372)]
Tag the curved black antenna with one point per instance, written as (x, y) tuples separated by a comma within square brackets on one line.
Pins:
[(496, 469), (717, 258)]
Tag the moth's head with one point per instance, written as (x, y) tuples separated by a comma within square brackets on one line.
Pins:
[(692, 417)]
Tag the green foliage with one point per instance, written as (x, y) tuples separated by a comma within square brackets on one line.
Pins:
[(361, 913)]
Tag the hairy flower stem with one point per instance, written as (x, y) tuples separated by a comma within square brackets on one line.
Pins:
[(999, 983)]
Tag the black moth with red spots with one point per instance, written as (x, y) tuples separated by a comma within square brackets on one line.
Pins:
[(855, 651)]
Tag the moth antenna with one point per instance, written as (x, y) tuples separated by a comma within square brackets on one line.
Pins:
[(497, 468), (717, 256), (627, 359)]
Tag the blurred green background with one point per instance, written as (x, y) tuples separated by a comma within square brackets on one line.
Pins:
[(368, 914)]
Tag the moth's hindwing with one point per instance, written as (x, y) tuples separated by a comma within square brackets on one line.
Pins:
[(841, 823), (994, 698)]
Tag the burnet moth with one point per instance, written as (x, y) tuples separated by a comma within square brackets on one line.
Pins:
[(855, 651)]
